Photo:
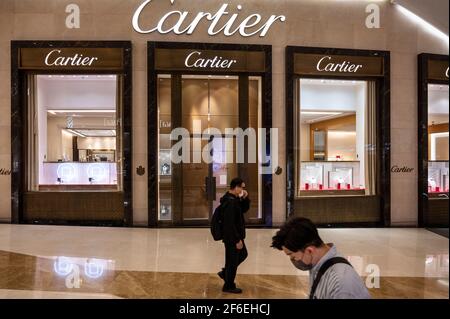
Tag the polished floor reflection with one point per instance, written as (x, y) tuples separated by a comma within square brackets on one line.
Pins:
[(75, 262)]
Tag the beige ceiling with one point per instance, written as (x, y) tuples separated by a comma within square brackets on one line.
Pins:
[(433, 11)]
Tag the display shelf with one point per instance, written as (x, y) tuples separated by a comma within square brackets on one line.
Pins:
[(331, 177), (438, 177)]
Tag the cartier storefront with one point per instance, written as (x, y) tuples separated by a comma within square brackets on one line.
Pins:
[(71, 132), (433, 141), (338, 123), (207, 93), (138, 113)]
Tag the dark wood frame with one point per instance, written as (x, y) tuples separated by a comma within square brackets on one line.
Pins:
[(19, 125), (153, 116), (383, 127), (423, 82)]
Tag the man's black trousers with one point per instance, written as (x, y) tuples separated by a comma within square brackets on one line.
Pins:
[(233, 258)]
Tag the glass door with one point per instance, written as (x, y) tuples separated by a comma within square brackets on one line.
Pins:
[(208, 113), (210, 105)]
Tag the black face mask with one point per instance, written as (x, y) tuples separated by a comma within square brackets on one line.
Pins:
[(301, 265)]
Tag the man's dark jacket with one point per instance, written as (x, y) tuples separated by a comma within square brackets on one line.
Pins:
[(233, 210)]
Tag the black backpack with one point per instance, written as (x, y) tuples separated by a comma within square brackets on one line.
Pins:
[(217, 224)]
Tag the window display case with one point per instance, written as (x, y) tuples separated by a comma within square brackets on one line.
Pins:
[(78, 173), (438, 177), (337, 177)]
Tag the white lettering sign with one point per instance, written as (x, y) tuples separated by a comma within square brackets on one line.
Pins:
[(344, 67), (216, 62), (54, 58), (73, 19), (373, 19), (246, 28)]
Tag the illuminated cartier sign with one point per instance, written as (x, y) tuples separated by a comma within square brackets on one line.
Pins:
[(209, 60), (342, 65), (54, 58), (71, 58), (325, 65), (182, 26), (193, 60), (438, 70)]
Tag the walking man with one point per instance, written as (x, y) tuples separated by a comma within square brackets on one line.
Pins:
[(331, 276), (234, 204)]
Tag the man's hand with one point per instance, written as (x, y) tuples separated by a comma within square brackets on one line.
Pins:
[(240, 245), (244, 194)]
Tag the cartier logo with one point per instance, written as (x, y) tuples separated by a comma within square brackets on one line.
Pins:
[(55, 58), (4, 171), (326, 65), (223, 21), (404, 169), (194, 60)]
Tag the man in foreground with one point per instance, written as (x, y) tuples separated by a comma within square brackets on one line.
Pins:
[(331, 276)]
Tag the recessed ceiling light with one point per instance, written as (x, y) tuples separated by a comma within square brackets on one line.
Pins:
[(80, 111), (319, 113), (75, 133)]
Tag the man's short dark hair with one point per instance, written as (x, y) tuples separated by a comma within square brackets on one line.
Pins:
[(297, 234), (236, 182)]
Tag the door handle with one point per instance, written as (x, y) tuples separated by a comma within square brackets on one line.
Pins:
[(207, 187), (214, 189)]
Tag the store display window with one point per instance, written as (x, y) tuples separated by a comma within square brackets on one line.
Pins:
[(338, 135), (433, 143), (74, 132), (438, 116), (335, 121)]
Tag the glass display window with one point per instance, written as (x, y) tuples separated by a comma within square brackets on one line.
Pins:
[(74, 132), (438, 139), (335, 127)]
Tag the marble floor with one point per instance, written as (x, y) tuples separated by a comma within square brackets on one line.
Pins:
[(89, 262)]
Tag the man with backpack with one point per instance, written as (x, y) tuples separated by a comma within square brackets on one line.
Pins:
[(228, 225), (331, 276)]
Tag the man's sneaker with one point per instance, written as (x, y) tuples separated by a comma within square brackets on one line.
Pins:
[(233, 290), (221, 274)]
